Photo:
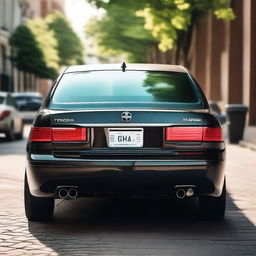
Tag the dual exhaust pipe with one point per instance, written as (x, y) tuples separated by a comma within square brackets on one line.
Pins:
[(71, 192), (67, 192), (183, 191)]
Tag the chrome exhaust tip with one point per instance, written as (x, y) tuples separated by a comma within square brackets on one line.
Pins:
[(67, 192), (180, 193), (190, 192), (63, 193), (72, 193), (184, 191)]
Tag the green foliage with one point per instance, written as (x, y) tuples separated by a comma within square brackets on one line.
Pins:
[(42, 46), (225, 14), (121, 31), (68, 43), (28, 52), (47, 43), (167, 19)]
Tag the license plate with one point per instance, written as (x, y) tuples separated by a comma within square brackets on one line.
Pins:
[(125, 138)]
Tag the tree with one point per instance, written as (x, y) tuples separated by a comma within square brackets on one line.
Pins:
[(120, 30), (171, 21), (69, 46), (28, 54), (47, 44), (167, 18), (42, 46)]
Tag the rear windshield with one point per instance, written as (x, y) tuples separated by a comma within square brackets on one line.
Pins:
[(122, 89)]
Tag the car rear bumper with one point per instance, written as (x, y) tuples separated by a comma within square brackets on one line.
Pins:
[(107, 177)]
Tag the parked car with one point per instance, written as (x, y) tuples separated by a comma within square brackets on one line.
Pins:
[(11, 123), (28, 103), (138, 130), (31, 101)]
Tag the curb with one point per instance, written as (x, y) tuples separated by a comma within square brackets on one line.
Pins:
[(246, 144)]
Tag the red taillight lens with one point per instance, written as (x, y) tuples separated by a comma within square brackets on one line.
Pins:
[(40, 134), (184, 133), (193, 134), (212, 134), (57, 134), (69, 134), (4, 114)]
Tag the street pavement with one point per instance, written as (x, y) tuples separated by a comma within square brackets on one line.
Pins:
[(129, 226)]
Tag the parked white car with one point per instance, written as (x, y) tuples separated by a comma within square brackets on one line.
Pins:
[(11, 122)]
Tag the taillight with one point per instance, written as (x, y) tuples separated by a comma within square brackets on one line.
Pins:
[(184, 133), (193, 134), (69, 134), (212, 134), (40, 134), (57, 134), (4, 114)]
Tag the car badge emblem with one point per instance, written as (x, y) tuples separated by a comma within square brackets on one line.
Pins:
[(126, 117), (185, 119)]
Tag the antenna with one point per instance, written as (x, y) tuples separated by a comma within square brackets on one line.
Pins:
[(123, 67)]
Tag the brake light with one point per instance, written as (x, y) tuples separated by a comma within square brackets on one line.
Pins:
[(5, 114), (193, 134), (184, 133), (212, 134), (40, 134), (69, 134), (57, 134)]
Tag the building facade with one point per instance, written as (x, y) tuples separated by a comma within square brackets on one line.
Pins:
[(41, 8), (10, 18), (223, 58), (12, 14)]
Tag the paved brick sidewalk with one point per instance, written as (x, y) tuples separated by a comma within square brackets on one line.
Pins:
[(139, 233), (129, 227)]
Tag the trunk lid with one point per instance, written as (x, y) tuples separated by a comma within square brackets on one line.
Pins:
[(99, 123), (110, 118)]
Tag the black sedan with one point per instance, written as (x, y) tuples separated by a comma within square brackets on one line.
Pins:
[(140, 129)]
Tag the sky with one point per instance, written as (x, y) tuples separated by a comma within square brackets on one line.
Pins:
[(79, 12)]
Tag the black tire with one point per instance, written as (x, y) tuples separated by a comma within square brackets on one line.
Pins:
[(213, 208), (19, 136), (37, 208), (10, 133)]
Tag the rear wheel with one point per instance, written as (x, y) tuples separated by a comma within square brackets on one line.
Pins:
[(37, 208), (19, 136), (213, 207)]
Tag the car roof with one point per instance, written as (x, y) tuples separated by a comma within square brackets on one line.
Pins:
[(35, 94), (139, 67)]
